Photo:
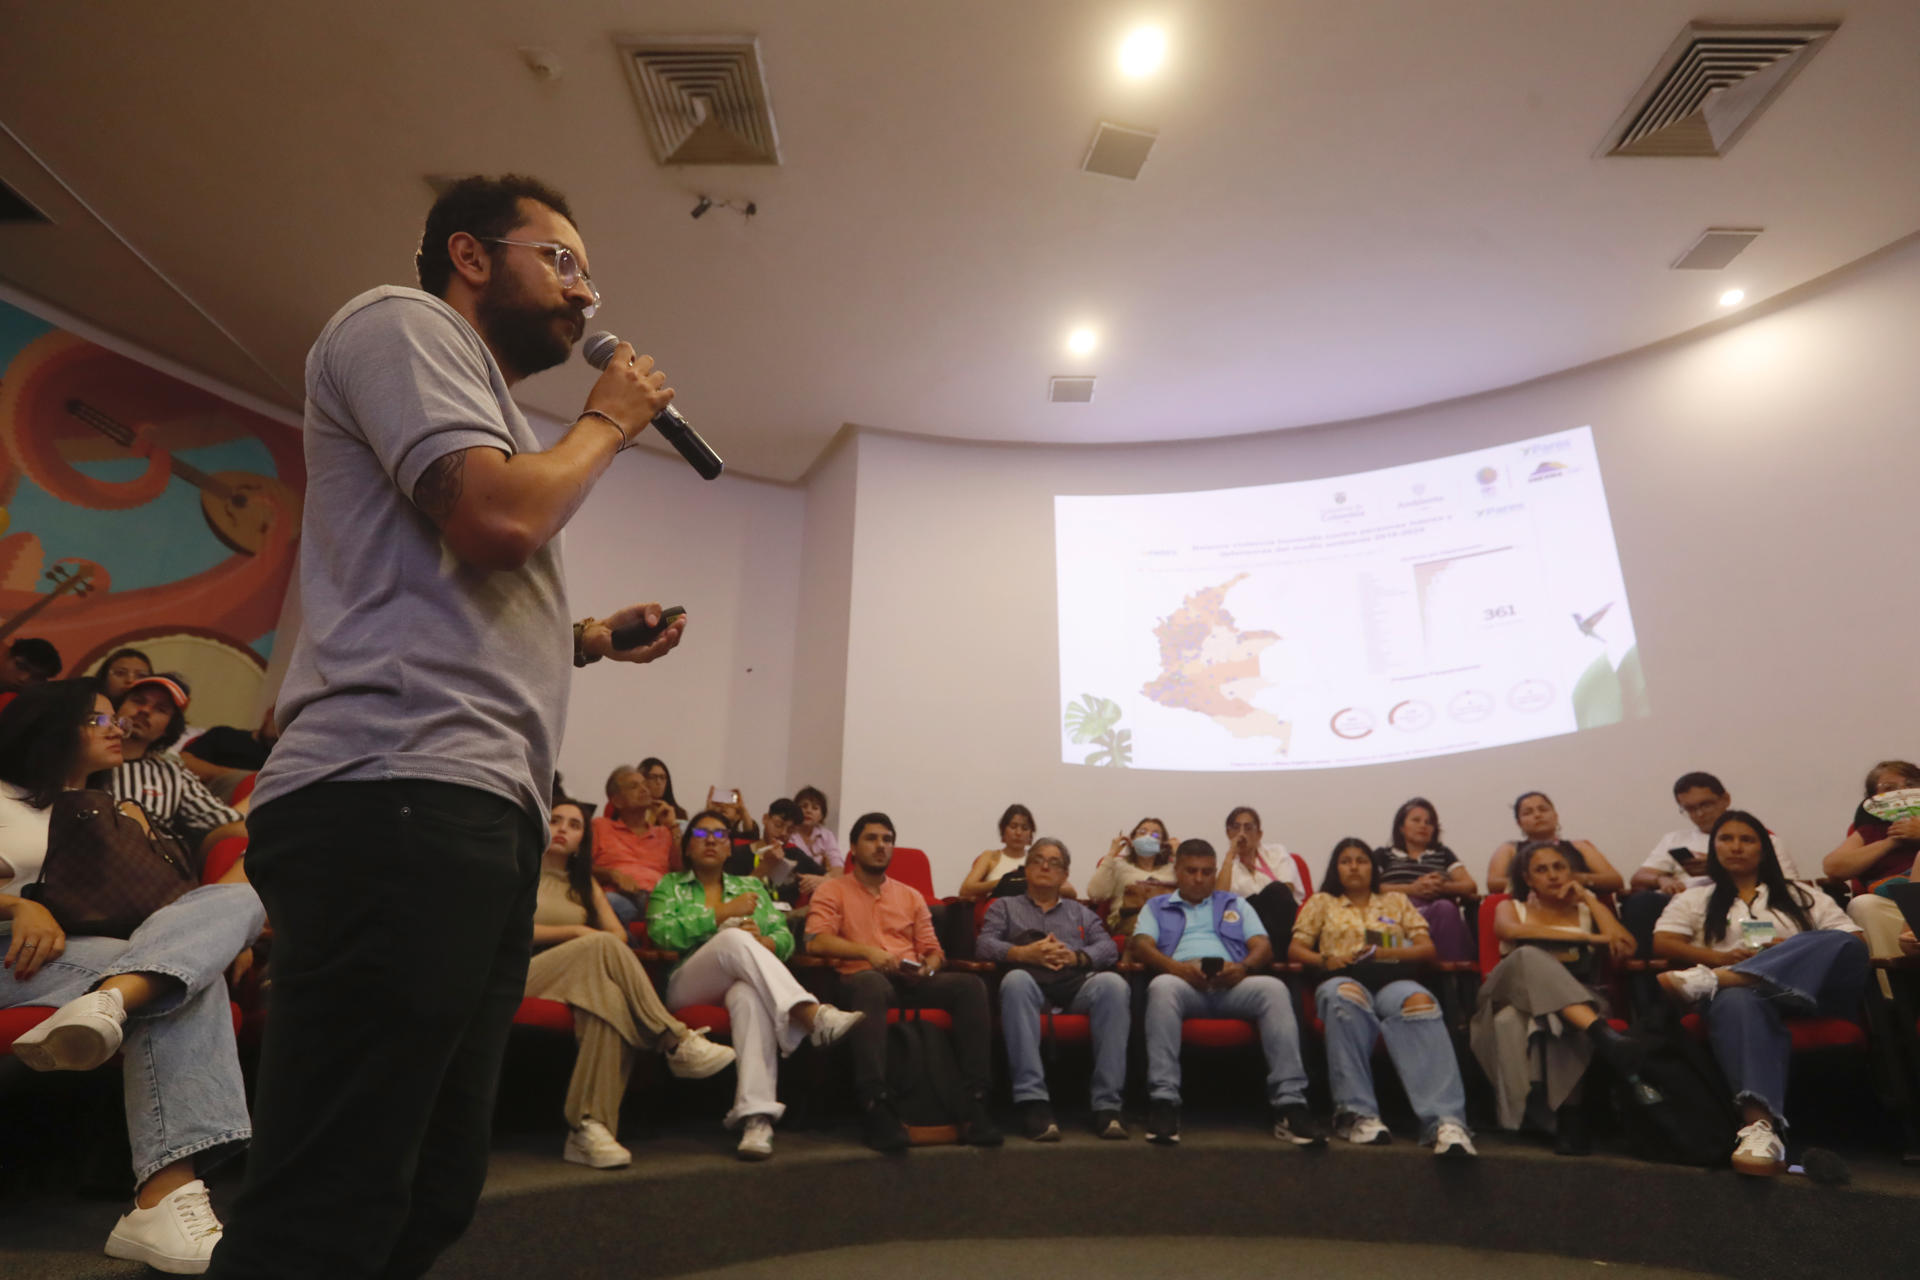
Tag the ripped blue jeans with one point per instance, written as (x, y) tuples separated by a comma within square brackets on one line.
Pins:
[(1418, 1043)]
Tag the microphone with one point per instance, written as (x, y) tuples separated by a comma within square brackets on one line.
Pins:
[(598, 350)]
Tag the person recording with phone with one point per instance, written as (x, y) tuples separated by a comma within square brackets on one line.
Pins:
[(398, 827)]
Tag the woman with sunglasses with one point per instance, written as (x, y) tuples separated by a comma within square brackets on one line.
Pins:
[(160, 993), (734, 945)]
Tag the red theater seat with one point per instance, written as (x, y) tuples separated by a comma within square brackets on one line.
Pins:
[(15, 1023), (1218, 1033), (932, 1017), (549, 1015), (711, 1016), (221, 857), (910, 867), (1806, 1034), (1067, 1028)]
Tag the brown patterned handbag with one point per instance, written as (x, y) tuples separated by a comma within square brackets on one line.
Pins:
[(104, 873)]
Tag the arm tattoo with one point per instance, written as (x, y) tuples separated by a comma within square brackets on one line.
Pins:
[(438, 490)]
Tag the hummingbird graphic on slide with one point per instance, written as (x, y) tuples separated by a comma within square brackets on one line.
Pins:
[(1588, 623)]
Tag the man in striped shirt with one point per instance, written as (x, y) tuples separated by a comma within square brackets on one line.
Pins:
[(154, 711)]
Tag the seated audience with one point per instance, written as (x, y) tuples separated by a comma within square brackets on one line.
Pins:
[(155, 712), (28, 661), (1016, 833), (1539, 820), (731, 804), (1759, 949), (1137, 866), (1542, 1011), (159, 994), (1059, 957), (1417, 864), (1365, 940), (659, 781), (234, 747), (581, 958), (1263, 874), (634, 844), (734, 945), (879, 934), (780, 862), (1204, 947), (815, 836), (1879, 854), (116, 675), (1679, 858)]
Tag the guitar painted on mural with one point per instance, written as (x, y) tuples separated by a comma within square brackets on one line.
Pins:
[(75, 581), (233, 502)]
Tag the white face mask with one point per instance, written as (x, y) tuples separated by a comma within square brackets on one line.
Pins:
[(1147, 846)]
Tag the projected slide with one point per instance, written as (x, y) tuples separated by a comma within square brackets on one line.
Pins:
[(1418, 610)]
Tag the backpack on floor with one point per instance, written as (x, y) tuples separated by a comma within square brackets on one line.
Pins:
[(1678, 1109), (924, 1078)]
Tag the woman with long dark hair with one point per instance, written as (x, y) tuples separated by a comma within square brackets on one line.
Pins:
[(581, 958), (659, 780), (1537, 819), (1418, 864), (159, 993), (1759, 947), (117, 674)]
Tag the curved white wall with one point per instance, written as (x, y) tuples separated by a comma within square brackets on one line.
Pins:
[(1763, 486)]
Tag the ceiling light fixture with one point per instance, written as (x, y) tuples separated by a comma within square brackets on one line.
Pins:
[(1733, 297), (1142, 52), (1082, 341)]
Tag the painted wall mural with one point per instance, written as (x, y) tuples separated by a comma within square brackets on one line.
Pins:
[(138, 510)]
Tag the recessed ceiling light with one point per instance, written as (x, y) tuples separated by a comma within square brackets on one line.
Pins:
[(1733, 297), (1082, 341), (1142, 52)]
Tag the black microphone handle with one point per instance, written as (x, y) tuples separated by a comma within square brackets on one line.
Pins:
[(676, 431)]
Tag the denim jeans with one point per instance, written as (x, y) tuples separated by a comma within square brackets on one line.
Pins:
[(1103, 997), (1261, 999), (627, 907), (403, 920), (180, 1071), (1821, 973), (1418, 1043)]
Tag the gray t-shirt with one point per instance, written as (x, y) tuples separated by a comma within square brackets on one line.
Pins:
[(409, 663)]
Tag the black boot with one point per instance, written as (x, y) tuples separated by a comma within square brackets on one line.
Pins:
[(881, 1123), (1624, 1054), (976, 1126)]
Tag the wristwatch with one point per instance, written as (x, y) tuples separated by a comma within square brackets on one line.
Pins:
[(580, 655)]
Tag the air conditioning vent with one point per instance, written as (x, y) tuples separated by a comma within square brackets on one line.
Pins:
[(703, 99), (1710, 87), (1070, 390), (17, 210), (1118, 151), (1716, 247)]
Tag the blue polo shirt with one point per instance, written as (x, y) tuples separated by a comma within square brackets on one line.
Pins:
[(1198, 940)]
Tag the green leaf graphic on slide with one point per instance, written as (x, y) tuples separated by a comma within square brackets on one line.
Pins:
[(1095, 720), (1604, 695)]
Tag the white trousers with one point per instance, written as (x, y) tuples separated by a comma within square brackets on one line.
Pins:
[(760, 994)]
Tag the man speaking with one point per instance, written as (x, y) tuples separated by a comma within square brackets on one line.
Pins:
[(398, 826)]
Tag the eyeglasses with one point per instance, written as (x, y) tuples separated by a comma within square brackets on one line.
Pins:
[(104, 720), (710, 833), (1695, 810), (1055, 863), (566, 267)]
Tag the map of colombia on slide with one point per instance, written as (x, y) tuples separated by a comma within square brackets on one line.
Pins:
[(1424, 609)]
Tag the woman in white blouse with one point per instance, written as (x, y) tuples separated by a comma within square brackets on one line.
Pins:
[(1751, 948)]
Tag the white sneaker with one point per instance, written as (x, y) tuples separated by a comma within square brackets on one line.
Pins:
[(1759, 1151), (592, 1145), (81, 1035), (1452, 1140), (756, 1143), (1362, 1131), (696, 1057), (176, 1236), (829, 1024), (1690, 986)]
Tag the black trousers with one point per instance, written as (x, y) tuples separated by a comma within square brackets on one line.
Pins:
[(962, 995), (402, 916)]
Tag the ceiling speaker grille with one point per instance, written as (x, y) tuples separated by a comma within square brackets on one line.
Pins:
[(703, 99), (1118, 151), (1716, 247), (1710, 87), (1070, 390)]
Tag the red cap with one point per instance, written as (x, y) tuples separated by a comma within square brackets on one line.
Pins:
[(174, 691)]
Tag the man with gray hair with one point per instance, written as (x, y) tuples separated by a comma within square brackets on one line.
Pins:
[(1059, 956)]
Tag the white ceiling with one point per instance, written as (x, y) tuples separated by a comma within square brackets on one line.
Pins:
[(1354, 206)]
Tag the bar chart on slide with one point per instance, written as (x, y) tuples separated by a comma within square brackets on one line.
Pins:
[(1422, 609)]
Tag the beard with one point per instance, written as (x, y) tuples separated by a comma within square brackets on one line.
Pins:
[(528, 336)]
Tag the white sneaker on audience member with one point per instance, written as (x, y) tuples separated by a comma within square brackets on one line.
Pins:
[(829, 1024), (1759, 1151), (1451, 1139), (1690, 986), (696, 1057), (756, 1142), (592, 1145), (83, 1033), (1362, 1131), (176, 1236)]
